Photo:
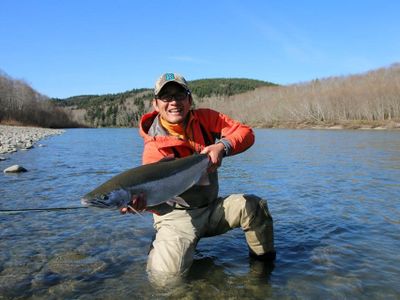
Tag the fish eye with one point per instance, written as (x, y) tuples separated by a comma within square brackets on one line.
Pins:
[(104, 197)]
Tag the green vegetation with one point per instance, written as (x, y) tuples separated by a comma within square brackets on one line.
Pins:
[(125, 109), (224, 86), (87, 101)]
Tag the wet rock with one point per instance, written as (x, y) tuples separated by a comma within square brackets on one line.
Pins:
[(14, 280), (15, 169), (2, 158), (74, 264), (27, 147)]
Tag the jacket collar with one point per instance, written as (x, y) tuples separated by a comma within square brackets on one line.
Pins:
[(150, 125)]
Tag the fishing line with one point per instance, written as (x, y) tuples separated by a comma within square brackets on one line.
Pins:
[(138, 213), (39, 209), (22, 210)]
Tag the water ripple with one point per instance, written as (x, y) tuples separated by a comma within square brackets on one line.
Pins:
[(333, 196)]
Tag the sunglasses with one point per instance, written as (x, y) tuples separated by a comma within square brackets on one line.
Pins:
[(180, 96)]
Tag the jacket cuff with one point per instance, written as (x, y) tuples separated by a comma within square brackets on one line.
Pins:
[(227, 146)]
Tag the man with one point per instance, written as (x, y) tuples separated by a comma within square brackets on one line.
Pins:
[(173, 130)]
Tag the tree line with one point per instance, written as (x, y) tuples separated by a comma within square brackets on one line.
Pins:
[(225, 86), (371, 99), (125, 109), (110, 110), (21, 104)]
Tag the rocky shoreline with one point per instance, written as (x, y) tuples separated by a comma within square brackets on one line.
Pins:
[(339, 125), (14, 138)]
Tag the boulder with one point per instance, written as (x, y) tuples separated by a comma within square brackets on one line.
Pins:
[(15, 169)]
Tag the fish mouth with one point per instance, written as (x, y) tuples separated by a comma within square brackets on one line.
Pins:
[(94, 202), (85, 201)]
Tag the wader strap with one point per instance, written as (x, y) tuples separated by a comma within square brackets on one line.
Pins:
[(190, 208), (176, 153), (206, 136)]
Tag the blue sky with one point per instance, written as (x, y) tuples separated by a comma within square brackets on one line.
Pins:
[(71, 47)]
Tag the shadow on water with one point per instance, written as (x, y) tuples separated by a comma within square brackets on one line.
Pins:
[(209, 279), (207, 267)]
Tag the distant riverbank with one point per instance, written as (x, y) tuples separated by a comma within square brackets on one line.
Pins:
[(344, 125), (14, 138)]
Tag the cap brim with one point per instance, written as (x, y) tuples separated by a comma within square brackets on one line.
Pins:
[(165, 83)]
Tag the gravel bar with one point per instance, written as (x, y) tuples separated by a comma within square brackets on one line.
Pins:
[(14, 138)]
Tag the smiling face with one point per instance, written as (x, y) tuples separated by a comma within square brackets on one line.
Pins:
[(173, 103)]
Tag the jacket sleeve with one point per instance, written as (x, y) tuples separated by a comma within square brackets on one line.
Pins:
[(239, 136)]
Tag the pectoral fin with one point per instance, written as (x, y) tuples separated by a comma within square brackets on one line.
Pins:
[(177, 200), (204, 180)]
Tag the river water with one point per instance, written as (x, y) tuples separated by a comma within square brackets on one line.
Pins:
[(334, 197)]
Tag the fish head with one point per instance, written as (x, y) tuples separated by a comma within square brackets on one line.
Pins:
[(107, 199)]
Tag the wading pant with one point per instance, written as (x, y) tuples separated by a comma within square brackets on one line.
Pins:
[(179, 231)]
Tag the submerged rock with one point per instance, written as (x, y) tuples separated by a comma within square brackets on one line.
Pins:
[(15, 169), (75, 264)]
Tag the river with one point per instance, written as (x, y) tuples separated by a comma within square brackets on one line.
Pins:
[(334, 197)]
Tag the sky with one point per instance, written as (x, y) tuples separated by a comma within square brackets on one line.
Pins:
[(79, 47)]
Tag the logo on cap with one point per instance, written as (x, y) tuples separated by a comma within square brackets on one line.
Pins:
[(169, 76)]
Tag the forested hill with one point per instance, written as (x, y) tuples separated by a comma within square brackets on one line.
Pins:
[(367, 100), (125, 109), (225, 86), (20, 104)]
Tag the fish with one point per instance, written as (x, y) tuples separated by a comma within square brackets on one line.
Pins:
[(160, 182)]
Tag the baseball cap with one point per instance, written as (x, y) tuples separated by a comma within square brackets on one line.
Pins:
[(169, 77)]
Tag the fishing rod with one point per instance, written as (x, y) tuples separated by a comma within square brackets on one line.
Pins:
[(22, 210), (40, 209)]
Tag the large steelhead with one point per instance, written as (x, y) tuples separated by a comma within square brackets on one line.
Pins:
[(160, 182)]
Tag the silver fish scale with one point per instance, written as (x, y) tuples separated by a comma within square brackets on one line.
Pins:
[(160, 182)]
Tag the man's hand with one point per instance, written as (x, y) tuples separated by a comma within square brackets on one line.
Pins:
[(216, 153), (138, 203)]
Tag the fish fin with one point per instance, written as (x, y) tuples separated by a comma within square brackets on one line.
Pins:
[(178, 200), (138, 213), (204, 179)]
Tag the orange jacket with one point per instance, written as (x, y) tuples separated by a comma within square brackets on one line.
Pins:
[(207, 127)]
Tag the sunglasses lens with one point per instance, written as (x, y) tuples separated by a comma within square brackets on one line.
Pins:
[(180, 96), (177, 97)]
